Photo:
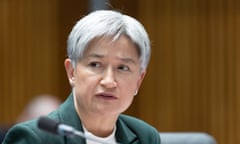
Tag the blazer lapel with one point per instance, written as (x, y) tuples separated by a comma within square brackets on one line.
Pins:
[(124, 135), (68, 116)]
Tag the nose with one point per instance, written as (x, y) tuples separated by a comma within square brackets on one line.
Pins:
[(108, 80)]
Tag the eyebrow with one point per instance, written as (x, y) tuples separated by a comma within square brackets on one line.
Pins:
[(95, 56), (128, 60), (125, 60)]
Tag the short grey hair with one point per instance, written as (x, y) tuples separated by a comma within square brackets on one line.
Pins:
[(107, 23)]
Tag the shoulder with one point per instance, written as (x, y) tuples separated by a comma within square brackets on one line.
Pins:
[(28, 132), (24, 133), (21, 133), (141, 128)]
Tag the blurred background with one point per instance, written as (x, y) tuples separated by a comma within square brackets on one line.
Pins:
[(193, 80)]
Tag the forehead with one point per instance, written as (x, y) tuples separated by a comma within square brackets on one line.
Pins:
[(121, 47)]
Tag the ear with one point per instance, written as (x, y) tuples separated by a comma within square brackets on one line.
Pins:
[(140, 79), (70, 71)]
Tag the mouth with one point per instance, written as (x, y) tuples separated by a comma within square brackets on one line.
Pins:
[(106, 96)]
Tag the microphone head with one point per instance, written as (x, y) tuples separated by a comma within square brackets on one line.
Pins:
[(48, 125)]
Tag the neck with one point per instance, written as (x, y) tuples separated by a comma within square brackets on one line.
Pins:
[(97, 124), (101, 125)]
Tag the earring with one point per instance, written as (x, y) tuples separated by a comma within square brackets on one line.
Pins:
[(71, 81), (136, 92)]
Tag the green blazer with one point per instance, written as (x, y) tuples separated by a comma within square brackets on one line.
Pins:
[(129, 130)]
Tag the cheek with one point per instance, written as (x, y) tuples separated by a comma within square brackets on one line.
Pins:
[(129, 86), (85, 81), (128, 99), (86, 84)]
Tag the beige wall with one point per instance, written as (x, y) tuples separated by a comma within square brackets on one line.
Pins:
[(193, 81)]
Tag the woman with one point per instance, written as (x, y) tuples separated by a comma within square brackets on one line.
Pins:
[(108, 54)]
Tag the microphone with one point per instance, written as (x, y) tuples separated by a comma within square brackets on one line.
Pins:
[(52, 126), (55, 127)]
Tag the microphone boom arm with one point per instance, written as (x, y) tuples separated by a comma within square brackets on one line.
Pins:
[(49, 125)]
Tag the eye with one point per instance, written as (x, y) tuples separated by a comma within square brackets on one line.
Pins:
[(95, 64), (124, 68)]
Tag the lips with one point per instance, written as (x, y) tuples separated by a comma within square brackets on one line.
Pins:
[(106, 96)]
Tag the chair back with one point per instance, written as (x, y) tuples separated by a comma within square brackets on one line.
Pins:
[(186, 138)]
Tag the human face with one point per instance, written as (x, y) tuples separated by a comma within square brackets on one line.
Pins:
[(107, 77)]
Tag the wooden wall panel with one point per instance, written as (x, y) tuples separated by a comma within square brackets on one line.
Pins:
[(29, 53), (193, 79)]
